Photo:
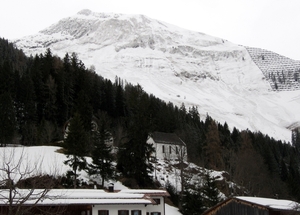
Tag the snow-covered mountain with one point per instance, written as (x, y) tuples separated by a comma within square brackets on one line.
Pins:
[(176, 65)]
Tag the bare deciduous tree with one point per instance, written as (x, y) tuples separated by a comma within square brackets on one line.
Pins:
[(15, 168)]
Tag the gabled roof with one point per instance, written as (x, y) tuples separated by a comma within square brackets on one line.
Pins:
[(271, 203), (87, 196), (167, 138), (267, 203)]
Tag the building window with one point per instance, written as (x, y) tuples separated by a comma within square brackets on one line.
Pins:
[(123, 212), (155, 213), (163, 149), (136, 212), (157, 201), (103, 212), (170, 149), (177, 152)]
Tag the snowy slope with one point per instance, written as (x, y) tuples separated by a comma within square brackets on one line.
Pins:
[(32, 161), (175, 65)]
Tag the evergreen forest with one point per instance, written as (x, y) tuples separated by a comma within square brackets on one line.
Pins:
[(40, 94)]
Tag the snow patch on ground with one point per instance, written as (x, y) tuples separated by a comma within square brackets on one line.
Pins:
[(47, 160)]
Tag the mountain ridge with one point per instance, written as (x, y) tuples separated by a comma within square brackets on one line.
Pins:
[(176, 65)]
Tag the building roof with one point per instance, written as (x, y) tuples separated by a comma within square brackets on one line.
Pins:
[(167, 138), (268, 203), (271, 203), (86, 196), (148, 192)]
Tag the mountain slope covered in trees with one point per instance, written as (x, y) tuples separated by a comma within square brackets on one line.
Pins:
[(42, 93), (222, 79)]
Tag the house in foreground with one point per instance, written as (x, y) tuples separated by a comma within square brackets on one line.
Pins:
[(253, 205), (93, 202), (168, 146)]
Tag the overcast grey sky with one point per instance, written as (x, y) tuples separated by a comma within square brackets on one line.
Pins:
[(268, 24)]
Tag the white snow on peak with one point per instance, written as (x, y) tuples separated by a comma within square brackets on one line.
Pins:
[(85, 12), (176, 65)]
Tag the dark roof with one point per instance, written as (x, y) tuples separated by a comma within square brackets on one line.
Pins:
[(167, 138), (269, 204)]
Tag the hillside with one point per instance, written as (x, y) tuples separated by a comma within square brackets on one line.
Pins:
[(45, 160), (176, 65), (45, 96)]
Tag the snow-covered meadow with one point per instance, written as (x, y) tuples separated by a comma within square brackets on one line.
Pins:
[(47, 160), (37, 160)]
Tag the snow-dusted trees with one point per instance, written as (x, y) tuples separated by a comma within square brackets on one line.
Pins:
[(210, 192), (202, 195)]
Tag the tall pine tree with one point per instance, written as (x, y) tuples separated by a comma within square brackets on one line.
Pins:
[(102, 158), (210, 191), (212, 149), (75, 146), (7, 119), (134, 154)]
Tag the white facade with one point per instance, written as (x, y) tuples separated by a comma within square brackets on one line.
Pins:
[(114, 209), (157, 208), (167, 148), (140, 209)]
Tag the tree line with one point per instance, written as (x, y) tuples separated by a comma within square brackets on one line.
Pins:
[(40, 94)]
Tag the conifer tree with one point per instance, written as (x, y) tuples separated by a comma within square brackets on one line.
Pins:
[(120, 106), (26, 100), (192, 203), (84, 109), (102, 157), (108, 98), (236, 138), (7, 119), (50, 90), (210, 191), (212, 149), (96, 94), (134, 155), (6, 77), (75, 146), (173, 192)]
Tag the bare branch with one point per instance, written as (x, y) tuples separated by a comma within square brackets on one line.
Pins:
[(19, 171)]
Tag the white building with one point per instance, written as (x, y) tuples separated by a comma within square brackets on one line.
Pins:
[(168, 146), (94, 202)]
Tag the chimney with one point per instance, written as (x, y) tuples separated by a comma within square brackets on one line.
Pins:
[(111, 187)]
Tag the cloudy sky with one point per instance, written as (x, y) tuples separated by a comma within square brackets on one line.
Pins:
[(268, 24)]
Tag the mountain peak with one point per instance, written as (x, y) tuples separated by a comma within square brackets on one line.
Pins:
[(85, 12), (176, 65)]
